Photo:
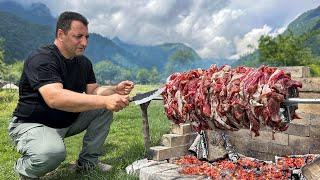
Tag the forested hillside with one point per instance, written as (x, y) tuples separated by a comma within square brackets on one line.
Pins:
[(21, 36), (297, 46), (26, 28)]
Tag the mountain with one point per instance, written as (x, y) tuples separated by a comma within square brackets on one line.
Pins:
[(155, 56), (305, 28), (37, 13), (22, 36), (308, 24), (26, 28)]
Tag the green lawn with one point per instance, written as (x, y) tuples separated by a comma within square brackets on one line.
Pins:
[(123, 146)]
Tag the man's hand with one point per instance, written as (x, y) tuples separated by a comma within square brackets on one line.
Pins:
[(116, 102), (124, 87)]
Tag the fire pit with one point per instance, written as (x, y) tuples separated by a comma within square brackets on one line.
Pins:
[(301, 137)]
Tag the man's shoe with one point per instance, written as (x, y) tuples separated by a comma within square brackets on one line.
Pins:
[(87, 166), (23, 177)]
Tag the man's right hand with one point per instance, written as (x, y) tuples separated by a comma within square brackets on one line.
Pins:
[(116, 102)]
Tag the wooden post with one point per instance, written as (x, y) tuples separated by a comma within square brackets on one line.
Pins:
[(145, 122)]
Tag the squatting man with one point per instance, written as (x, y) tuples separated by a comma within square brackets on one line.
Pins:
[(58, 98)]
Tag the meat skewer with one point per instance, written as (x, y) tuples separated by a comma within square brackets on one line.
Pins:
[(230, 99)]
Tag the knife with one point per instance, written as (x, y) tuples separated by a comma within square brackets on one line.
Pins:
[(146, 97)]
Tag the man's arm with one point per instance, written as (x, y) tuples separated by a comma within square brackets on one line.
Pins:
[(100, 90), (58, 98), (123, 88)]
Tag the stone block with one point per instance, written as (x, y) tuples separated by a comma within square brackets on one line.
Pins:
[(305, 118), (315, 119), (315, 146), (269, 147), (162, 152), (134, 168), (298, 130), (172, 140), (147, 173), (279, 150), (181, 129), (242, 133), (299, 145), (240, 145), (297, 71), (264, 136), (315, 131), (173, 174), (267, 135), (261, 155), (311, 84), (303, 115), (280, 138), (258, 146)]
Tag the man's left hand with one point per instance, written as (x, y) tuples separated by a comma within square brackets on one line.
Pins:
[(124, 87)]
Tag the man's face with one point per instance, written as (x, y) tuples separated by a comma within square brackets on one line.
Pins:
[(75, 40)]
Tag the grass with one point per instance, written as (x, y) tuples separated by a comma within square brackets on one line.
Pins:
[(123, 146)]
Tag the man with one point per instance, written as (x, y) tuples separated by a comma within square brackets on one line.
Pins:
[(58, 83)]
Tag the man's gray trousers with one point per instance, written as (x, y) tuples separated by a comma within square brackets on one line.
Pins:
[(43, 149)]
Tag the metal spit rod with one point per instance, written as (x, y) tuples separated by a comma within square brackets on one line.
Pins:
[(292, 101), (289, 101)]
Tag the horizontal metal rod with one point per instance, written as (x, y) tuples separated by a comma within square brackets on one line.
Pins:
[(287, 101), (301, 101)]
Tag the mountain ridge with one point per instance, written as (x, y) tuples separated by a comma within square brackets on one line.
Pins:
[(19, 44)]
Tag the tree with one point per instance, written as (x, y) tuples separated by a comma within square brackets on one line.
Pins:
[(154, 76), (142, 76), (179, 61), (284, 50), (109, 73), (13, 72), (3, 67), (106, 72)]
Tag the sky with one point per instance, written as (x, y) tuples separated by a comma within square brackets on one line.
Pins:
[(216, 29)]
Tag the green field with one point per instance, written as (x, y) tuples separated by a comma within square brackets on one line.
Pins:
[(123, 146)]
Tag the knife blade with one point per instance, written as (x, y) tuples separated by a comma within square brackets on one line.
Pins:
[(145, 97)]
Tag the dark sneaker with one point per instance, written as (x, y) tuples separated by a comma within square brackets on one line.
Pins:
[(85, 167)]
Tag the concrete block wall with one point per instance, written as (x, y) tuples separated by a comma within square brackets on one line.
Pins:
[(297, 71), (175, 144), (302, 137)]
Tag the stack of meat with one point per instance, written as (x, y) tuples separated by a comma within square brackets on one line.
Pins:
[(227, 98)]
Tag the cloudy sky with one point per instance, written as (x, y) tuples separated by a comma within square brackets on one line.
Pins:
[(214, 28)]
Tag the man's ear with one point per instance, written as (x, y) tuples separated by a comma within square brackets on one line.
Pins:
[(60, 35)]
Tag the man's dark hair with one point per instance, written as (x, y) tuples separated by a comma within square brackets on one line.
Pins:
[(65, 19)]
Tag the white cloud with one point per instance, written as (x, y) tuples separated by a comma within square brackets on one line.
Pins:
[(249, 42), (214, 28)]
